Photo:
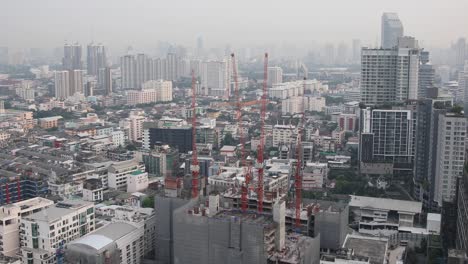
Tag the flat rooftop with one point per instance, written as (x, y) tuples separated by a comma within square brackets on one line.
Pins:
[(385, 204), (105, 235), (372, 247), (58, 210)]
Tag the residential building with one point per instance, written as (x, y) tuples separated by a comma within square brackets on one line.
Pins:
[(72, 57), (49, 122), (128, 72), (119, 171), (216, 78), (62, 84), (10, 217), (391, 30), (44, 233), (136, 127), (285, 134), (450, 157), (105, 80), (96, 58), (390, 75), (93, 190), (275, 75), (426, 76)]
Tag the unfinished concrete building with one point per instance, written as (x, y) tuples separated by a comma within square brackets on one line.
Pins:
[(195, 233)]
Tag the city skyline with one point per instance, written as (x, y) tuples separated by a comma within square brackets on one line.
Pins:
[(220, 24)]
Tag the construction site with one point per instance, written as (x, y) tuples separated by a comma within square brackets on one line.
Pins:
[(250, 213)]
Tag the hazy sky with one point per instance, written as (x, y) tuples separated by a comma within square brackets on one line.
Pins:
[(142, 23)]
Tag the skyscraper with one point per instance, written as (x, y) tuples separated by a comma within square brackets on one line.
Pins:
[(72, 57), (460, 53), (390, 75), (172, 63), (128, 72), (426, 75), (450, 156), (105, 80), (392, 29), (96, 58), (76, 81), (62, 84)]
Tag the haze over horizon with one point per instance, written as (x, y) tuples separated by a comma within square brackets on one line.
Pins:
[(142, 24)]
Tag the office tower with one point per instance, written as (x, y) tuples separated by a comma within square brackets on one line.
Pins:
[(356, 51), (426, 75), (76, 81), (72, 55), (392, 29), (4, 55), (390, 75), (62, 84), (216, 78), (128, 72), (275, 75), (450, 156), (96, 58), (460, 53), (105, 80), (172, 63), (46, 231)]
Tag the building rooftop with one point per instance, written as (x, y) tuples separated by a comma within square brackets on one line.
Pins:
[(105, 235), (385, 204), (58, 210), (372, 247)]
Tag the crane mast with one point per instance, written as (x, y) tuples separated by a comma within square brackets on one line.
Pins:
[(298, 173), (194, 167), (260, 162)]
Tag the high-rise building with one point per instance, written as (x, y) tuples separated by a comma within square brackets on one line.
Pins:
[(172, 64), (392, 133), (216, 78), (426, 75), (45, 233), (62, 84), (392, 29), (329, 54), (136, 127), (462, 215), (76, 81), (427, 116), (275, 75), (460, 53), (390, 75), (128, 72), (179, 137), (105, 80), (96, 58), (450, 156), (72, 57), (141, 69)]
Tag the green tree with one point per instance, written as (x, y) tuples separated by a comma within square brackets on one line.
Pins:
[(148, 202)]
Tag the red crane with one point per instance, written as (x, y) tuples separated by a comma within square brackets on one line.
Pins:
[(244, 192), (261, 148), (194, 167), (298, 173)]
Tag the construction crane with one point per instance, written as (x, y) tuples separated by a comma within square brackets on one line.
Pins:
[(298, 173), (261, 149), (244, 191), (194, 167)]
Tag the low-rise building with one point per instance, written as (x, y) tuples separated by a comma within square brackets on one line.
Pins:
[(137, 181)]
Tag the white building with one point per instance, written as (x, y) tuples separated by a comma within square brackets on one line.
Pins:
[(275, 75), (93, 190), (62, 84), (136, 127), (119, 171), (286, 90), (285, 134), (137, 181), (118, 138), (10, 216), (46, 231), (315, 104), (314, 176), (163, 89), (216, 78), (450, 156)]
